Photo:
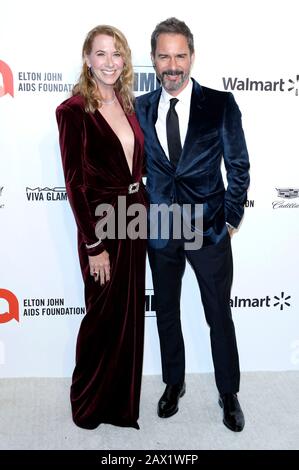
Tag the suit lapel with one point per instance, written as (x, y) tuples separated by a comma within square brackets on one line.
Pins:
[(197, 119), (152, 116), (153, 106)]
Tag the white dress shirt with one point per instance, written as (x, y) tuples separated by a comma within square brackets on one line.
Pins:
[(183, 111)]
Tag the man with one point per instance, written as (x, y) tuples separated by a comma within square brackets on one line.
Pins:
[(185, 140)]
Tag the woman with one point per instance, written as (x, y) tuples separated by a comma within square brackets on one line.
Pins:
[(102, 153)]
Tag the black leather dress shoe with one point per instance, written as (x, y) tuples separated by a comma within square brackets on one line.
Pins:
[(233, 417), (168, 403)]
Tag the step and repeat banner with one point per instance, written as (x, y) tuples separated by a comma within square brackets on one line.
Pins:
[(248, 48)]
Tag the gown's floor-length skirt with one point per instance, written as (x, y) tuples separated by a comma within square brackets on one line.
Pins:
[(107, 377)]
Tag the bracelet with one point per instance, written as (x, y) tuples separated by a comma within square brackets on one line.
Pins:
[(94, 244)]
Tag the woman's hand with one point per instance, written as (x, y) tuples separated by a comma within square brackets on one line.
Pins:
[(100, 267)]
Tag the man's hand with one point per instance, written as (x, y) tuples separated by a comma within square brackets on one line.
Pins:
[(230, 229)]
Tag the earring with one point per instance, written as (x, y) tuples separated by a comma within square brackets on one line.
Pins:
[(89, 71)]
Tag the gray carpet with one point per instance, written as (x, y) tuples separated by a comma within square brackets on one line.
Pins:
[(35, 414)]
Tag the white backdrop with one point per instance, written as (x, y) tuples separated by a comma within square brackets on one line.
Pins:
[(237, 43)]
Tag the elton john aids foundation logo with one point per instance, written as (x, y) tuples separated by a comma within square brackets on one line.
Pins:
[(12, 312), (6, 80)]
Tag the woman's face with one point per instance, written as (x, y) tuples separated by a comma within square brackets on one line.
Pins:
[(105, 60)]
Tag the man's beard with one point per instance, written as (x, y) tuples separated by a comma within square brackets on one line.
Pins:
[(169, 85)]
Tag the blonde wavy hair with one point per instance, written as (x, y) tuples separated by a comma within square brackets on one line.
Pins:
[(87, 86)]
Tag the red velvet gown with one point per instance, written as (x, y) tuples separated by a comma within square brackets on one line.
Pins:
[(107, 377)]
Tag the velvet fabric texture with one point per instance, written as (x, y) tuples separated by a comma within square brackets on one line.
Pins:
[(214, 130), (107, 377)]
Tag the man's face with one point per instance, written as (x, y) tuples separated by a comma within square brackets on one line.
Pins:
[(173, 62)]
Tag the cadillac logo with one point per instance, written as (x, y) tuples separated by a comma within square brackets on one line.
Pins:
[(287, 193)]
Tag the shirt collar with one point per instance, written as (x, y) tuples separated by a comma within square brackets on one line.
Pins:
[(184, 96)]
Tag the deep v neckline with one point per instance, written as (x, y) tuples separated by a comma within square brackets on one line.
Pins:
[(120, 144)]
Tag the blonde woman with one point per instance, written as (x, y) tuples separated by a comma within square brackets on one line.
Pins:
[(102, 154)]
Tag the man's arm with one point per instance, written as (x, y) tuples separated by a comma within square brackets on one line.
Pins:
[(236, 162)]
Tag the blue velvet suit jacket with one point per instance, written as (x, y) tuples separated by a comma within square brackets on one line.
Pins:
[(214, 132)]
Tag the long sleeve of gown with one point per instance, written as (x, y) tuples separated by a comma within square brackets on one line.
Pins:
[(71, 140)]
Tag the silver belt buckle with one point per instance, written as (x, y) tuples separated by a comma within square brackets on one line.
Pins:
[(133, 188)]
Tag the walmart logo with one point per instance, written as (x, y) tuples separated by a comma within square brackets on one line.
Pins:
[(247, 84)]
